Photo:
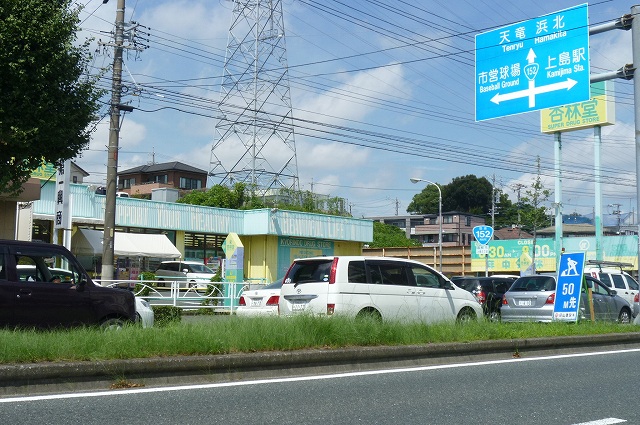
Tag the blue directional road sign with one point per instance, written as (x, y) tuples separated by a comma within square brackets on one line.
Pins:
[(483, 234), (567, 302), (532, 65)]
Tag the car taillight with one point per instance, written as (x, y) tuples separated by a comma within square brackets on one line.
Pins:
[(551, 299), (331, 308), (286, 275), (242, 301), (332, 274), (481, 296), (504, 300), (636, 298), (273, 300)]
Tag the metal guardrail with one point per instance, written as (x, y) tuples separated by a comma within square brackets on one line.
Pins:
[(219, 296)]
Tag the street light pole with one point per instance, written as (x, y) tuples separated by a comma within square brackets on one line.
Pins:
[(416, 180)]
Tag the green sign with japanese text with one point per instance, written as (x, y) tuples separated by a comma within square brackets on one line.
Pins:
[(516, 255)]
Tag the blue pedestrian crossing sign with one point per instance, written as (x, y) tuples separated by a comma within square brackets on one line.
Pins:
[(532, 65), (570, 275), (483, 234)]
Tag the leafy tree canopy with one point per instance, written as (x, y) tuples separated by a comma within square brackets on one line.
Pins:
[(218, 196), (241, 196), (533, 211), (46, 105), (386, 235), (468, 194)]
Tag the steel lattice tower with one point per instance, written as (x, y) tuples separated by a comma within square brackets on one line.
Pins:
[(254, 141)]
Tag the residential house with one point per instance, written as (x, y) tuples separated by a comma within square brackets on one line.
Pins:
[(142, 180), (457, 227)]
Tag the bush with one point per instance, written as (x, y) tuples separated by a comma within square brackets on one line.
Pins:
[(214, 289), (146, 278), (166, 315)]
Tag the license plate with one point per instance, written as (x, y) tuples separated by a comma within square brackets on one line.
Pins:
[(297, 306), (256, 303), (525, 303)]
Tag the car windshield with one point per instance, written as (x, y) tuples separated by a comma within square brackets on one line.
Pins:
[(534, 283), (310, 271), (465, 283), (200, 268)]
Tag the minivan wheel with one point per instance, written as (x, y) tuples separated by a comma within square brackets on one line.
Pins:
[(112, 324), (624, 316), (466, 315), (369, 314)]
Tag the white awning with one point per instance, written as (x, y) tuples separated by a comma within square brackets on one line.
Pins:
[(89, 242)]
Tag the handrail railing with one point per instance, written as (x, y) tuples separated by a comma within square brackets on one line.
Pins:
[(219, 296)]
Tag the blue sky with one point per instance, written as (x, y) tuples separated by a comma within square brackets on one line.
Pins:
[(400, 70)]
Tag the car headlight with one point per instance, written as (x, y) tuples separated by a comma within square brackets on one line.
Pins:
[(145, 303)]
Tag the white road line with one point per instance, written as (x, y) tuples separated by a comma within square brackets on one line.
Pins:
[(608, 421), (309, 378)]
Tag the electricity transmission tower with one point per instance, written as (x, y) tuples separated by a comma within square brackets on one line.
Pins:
[(254, 141)]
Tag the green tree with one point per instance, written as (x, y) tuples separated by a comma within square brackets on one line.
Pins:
[(468, 194), (219, 196), (506, 211), (386, 235), (425, 202), (533, 212), (46, 101)]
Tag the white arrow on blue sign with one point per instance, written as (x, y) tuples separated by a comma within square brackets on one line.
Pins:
[(534, 64), (483, 234)]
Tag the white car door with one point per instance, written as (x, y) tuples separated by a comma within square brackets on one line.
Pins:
[(622, 288), (632, 284), (435, 302), (392, 292)]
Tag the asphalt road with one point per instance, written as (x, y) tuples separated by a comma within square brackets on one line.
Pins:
[(564, 389)]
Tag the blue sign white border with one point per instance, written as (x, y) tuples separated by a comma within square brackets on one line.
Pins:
[(569, 287), (564, 91)]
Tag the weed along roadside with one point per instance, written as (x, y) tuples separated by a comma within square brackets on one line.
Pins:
[(211, 348)]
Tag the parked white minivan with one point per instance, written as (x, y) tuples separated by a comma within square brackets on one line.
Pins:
[(614, 278), (382, 287)]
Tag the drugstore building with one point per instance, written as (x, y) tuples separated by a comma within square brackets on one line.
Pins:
[(271, 238)]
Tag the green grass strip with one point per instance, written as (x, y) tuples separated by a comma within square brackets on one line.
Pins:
[(223, 335)]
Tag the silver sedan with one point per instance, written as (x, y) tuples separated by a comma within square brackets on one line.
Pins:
[(531, 299)]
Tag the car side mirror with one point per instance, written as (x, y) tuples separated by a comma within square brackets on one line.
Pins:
[(81, 285), (185, 270), (447, 285), (613, 292)]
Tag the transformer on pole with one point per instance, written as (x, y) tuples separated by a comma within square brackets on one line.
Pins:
[(254, 137)]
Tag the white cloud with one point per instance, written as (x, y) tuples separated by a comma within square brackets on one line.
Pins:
[(204, 21)]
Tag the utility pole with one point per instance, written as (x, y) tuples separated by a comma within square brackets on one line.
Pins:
[(517, 188), (616, 211), (112, 152), (493, 202)]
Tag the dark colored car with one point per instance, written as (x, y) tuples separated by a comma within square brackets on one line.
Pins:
[(44, 286), (487, 290)]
